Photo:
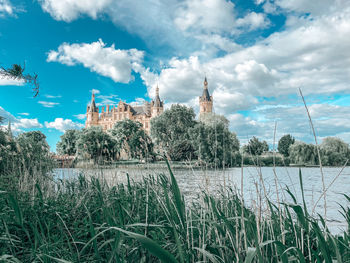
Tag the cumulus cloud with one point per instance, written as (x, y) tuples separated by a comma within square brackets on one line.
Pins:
[(6, 8), (68, 10), (253, 21), (114, 63), (27, 123), (63, 124), (19, 123), (207, 15), (48, 104), (10, 82)]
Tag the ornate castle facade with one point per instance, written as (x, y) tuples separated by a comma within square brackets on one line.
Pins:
[(143, 113)]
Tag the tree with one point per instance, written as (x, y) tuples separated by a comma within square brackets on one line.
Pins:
[(132, 139), (214, 144), (34, 152), (16, 72), (284, 143), (302, 153), (170, 132), (334, 151), (95, 144), (68, 143), (256, 147)]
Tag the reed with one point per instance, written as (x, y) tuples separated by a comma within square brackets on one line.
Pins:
[(86, 220)]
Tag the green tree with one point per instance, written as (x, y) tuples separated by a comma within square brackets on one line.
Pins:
[(256, 147), (16, 72), (284, 143), (170, 132), (214, 144), (132, 139), (302, 153), (33, 151), (95, 144), (68, 142), (334, 151)]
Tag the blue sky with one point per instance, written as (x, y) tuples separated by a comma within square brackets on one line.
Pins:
[(255, 54)]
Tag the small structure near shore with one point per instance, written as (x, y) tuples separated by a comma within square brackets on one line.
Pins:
[(64, 161)]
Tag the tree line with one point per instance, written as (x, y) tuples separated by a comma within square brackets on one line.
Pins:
[(23, 159), (177, 135)]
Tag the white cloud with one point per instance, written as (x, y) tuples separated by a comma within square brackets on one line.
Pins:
[(27, 123), (207, 15), (80, 116), (52, 96), (6, 8), (253, 21), (6, 115), (68, 10), (107, 61), (95, 91), (18, 123), (24, 113), (10, 82), (63, 124), (48, 104), (107, 100)]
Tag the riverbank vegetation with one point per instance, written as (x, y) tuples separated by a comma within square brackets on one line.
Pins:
[(207, 142), (86, 220)]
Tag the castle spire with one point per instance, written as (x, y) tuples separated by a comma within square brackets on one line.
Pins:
[(157, 102), (205, 95), (157, 91), (93, 107)]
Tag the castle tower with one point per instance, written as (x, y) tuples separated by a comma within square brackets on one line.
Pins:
[(156, 105), (91, 113), (205, 101)]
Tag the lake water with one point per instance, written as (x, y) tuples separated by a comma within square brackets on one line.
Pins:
[(193, 181)]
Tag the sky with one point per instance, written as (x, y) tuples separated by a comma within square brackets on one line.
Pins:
[(256, 54)]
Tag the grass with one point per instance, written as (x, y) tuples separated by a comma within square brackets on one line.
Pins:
[(149, 221)]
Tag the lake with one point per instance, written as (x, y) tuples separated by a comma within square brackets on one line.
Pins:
[(193, 181)]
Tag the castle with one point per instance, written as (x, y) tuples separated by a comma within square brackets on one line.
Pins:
[(143, 113)]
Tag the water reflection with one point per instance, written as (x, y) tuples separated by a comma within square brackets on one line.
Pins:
[(257, 182)]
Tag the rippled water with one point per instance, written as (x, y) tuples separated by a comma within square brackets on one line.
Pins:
[(255, 182)]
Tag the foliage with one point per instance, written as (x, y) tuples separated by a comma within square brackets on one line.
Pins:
[(24, 160), (265, 160), (149, 221), (171, 131), (16, 72), (302, 153), (212, 119), (214, 144), (256, 147), (68, 143), (33, 150), (284, 143), (132, 139), (334, 151), (95, 144)]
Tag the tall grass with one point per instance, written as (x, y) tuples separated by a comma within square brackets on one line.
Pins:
[(149, 221)]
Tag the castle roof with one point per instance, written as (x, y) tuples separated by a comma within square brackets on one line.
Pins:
[(157, 102), (205, 95), (141, 109), (93, 107)]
